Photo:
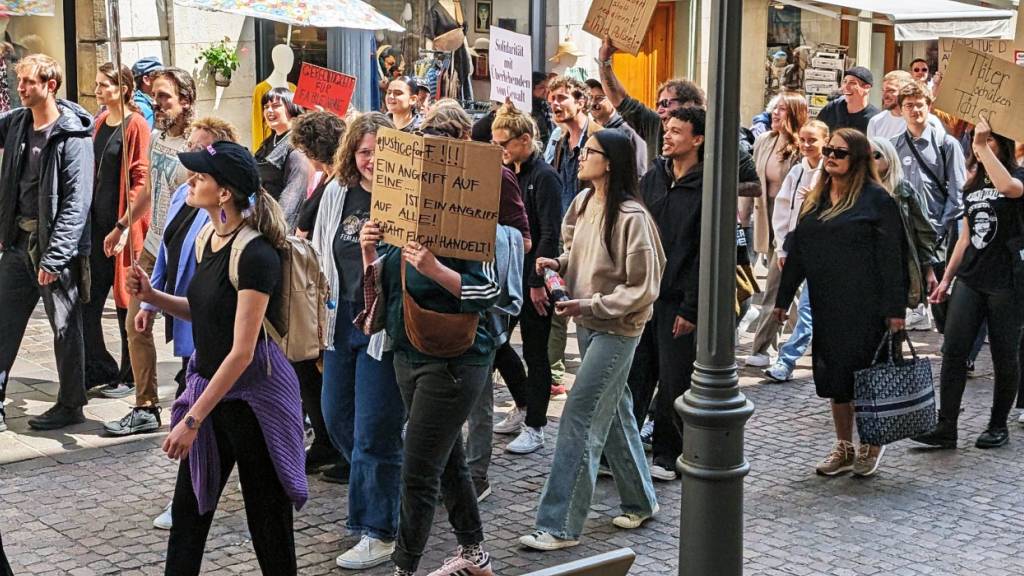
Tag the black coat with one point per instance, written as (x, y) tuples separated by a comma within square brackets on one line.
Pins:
[(855, 272), (65, 181), (542, 196), (676, 206)]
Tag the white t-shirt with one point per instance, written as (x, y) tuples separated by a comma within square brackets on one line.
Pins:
[(888, 126), (166, 174)]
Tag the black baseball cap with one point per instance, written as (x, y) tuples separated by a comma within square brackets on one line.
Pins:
[(229, 163), (861, 73)]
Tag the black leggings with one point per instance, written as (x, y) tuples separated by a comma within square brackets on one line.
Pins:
[(268, 510), (967, 310)]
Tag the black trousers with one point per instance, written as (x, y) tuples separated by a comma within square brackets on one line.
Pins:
[(19, 293), (675, 369), (311, 382), (5, 567), (530, 388), (100, 366), (643, 375), (268, 510), (438, 397), (968, 309)]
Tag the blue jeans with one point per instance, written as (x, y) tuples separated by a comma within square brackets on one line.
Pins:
[(800, 339), (598, 417), (364, 414)]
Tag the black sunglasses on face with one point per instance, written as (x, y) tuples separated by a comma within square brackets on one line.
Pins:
[(668, 102), (837, 153), (877, 155)]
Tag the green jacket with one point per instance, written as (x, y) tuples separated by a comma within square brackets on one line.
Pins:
[(920, 243), (480, 291)]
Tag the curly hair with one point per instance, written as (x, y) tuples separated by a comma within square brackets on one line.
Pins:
[(684, 91), (345, 167), (216, 127), (317, 135), (574, 87)]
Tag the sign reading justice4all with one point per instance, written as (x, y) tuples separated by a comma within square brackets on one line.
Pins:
[(325, 88), (440, 192)]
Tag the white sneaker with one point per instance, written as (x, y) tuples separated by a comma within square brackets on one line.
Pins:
[(369, 552), (659, 472), (541, 540), (529, 440), (630, 521), (779, 372), (1020, 420), (758, 361), (512, 422), (163, 521), (918, 320)]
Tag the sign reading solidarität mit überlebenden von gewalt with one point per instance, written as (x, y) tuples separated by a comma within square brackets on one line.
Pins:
[(511, 68)]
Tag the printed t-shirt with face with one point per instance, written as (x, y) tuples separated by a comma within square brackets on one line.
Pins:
[(992, 220), (348, 256), (165, 175)]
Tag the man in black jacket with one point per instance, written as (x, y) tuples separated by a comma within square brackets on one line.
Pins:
[(45, 193), (672, 190)]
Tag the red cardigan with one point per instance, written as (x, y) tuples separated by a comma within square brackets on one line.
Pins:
[(136, 141)]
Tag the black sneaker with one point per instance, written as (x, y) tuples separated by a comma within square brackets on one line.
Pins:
[(319, 457), (337, 474), (137, 421), (942, 436), (57, 416), (482, 488), (993, 438)]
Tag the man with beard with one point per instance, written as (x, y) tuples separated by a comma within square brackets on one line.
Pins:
[(174, 91), (602, 111), (46, 180), (890, 123)]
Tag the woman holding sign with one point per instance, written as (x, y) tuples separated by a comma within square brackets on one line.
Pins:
[(400, 100), (612, 264), (361, 404), (433, 311)]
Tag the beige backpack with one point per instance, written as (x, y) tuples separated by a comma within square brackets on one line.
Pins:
[(297, 316)]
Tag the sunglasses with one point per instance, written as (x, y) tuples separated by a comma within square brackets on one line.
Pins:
[(502, 143), (667, 102), (876, 155), (837, 153), (920, 69)]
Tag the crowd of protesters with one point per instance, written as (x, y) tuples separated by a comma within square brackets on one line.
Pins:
[(864, 220)]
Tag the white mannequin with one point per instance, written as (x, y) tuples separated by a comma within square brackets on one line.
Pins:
[(283, 58)]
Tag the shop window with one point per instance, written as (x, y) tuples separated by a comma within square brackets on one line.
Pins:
[(308, 43)]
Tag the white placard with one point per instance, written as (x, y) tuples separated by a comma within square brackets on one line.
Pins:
[(511, 68)]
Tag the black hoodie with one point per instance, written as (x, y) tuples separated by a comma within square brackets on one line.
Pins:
[(676, 205), (65, 177)]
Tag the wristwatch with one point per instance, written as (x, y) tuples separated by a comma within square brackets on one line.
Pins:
[(192, 423), (120, 226)]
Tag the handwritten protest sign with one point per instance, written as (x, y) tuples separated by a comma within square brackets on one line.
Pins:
[(443, 193), (511, 64), (324, 87), (993, 46), (624, 21), (981, 85)]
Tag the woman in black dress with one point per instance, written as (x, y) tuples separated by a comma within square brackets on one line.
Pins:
[(284, 171), (847, 244)]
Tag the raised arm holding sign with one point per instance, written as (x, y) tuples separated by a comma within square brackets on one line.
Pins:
[(980, 85), (624, 21)]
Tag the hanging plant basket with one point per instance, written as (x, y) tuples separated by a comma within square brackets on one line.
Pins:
[(220, 79)]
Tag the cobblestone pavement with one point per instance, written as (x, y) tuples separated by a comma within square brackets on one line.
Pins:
[(86, 508)]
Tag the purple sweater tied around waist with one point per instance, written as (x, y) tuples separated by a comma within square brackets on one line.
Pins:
[(273, 396)]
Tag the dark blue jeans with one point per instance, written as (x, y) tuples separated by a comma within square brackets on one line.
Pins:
[(364, 413)]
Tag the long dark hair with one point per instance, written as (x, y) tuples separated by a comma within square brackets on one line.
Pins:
[(622, 179), (862, 171), (123, 80), (1005, 152)]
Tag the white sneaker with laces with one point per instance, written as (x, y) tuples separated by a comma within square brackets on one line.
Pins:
[(918, 319), (164, 521), (541, 540), (367, 553), (512, 422), (529, 440), (779, 372), (758, 361), (659, 472), (630, 520)]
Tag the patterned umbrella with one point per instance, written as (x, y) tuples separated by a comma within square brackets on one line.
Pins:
[(318, 13), (26, 7)]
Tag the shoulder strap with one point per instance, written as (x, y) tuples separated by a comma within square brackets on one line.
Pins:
[(920, 160), (202, 239), (242, 238)]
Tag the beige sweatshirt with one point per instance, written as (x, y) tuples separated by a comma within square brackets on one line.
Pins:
[(617, 297)]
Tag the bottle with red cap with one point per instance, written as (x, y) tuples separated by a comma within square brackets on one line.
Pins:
[(556, 286)]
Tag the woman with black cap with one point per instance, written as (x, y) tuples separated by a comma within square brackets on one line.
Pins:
[(241, 405)]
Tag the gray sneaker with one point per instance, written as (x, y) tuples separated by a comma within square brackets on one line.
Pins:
[(119, 390), (137, 421)]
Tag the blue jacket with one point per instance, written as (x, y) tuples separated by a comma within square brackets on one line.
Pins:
[(145, 106), (183, 345)]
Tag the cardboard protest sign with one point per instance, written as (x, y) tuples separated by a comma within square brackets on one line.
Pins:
[(993, 46), (981, 85), (440, 192), (324, 87), (511, 63), (624, 21)]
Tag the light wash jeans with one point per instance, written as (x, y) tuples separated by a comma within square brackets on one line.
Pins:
[(598, 417), (800, 339)]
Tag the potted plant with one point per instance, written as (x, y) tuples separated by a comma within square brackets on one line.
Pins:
[(221, 60)]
